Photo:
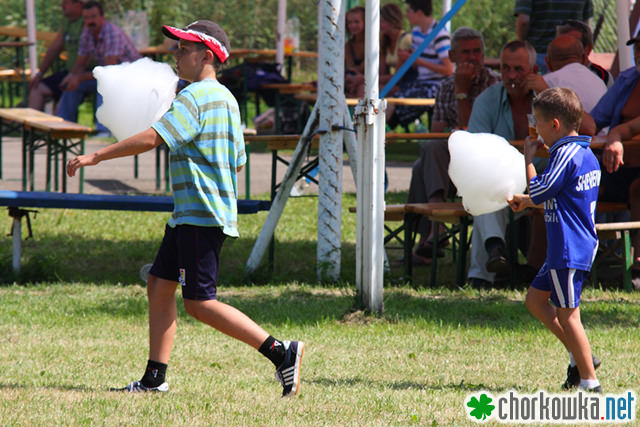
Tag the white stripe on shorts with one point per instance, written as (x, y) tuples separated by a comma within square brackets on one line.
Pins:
[(566, 301)]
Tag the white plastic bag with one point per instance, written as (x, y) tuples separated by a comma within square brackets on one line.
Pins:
[(486, 170), (135, 95)]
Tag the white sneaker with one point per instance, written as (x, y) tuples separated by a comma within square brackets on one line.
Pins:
[(137, 387)]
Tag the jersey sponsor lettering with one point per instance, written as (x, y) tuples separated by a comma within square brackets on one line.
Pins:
[(589, 180)]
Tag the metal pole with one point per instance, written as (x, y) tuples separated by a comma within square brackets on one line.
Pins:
[(16, 232), (31, 36), (446, 7), (624, 51), (331, 120), (370, 121), (282, 17)]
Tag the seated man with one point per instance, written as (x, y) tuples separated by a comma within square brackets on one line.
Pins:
[(565, 59), (502, 110), (582, 32), (429, 176), (619, 109), (612, 160), (102, 43), (41, 89)]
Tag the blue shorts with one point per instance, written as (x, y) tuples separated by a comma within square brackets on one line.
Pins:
[(564, 284), (190, 256)]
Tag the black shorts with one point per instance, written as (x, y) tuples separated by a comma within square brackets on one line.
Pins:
[(190, 256), (53, 83), (615, 186)]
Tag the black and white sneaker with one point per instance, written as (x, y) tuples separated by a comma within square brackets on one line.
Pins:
[(137, 387), (573, 376), (288, 373)]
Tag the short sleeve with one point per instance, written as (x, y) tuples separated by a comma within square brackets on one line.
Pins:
[(443, 44), (181, 124), (84, 49)]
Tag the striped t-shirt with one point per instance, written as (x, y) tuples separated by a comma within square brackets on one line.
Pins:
[(202, 129), (435, 51), (546, 15)]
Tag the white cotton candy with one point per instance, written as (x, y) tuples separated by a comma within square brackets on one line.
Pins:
[(135, 95), (486, 170)]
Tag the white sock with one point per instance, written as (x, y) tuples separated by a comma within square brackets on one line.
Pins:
[(588, 384), (572, 361)]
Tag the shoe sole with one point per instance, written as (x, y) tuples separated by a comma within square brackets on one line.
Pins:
[(297, 370)]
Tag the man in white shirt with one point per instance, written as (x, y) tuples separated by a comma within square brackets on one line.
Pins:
[(565, 60)]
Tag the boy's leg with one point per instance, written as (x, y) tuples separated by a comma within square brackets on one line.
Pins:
[(537, 301), (577, 341), (228, 320), (162, 317)]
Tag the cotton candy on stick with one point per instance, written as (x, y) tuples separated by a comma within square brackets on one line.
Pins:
[(135, 95), (486, 170)]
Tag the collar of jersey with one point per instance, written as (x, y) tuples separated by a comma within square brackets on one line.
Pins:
[(581, 140)]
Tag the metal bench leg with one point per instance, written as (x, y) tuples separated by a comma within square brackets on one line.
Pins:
[(462, 256), (627, 261), (16, 233), (434, 253)]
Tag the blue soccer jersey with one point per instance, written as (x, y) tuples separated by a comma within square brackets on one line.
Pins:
[(569, 189)]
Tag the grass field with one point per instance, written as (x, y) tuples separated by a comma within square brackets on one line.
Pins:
[(82, 328)]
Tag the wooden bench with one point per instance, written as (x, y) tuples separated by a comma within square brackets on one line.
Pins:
[(17, 201), (620, 231), (39, 130)]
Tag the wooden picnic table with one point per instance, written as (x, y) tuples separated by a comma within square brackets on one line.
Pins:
[(21, 33), (352, 102), (58, 136)]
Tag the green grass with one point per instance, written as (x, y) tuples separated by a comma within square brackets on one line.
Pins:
[(82, 328)]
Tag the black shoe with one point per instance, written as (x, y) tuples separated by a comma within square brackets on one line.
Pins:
[(477, 283), (288, 373), (573, 376), (497, 262)]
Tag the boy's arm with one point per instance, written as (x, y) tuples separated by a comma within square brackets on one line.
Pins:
[(530, 149), (136, 144), (520, 202)]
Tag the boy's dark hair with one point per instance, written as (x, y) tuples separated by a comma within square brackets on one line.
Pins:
[(217, 64), (424, 5), (92, 4), (560, 103)]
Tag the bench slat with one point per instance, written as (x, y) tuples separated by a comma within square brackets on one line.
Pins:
[(43, 199)]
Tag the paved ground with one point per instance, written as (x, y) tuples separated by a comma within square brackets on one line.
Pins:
[(116, 176)]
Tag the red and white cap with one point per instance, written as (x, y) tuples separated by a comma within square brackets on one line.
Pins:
[(202, 31)]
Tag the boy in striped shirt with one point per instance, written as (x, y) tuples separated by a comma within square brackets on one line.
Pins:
[(568, 190), (203, 133)]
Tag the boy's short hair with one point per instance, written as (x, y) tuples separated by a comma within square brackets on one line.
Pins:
[(424, 5), (561, 103)]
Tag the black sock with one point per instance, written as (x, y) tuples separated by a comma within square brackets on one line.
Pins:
[(154, 375), (493, 242), (273, 350)]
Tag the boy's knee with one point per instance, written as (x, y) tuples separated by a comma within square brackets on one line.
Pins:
[(192, 308)]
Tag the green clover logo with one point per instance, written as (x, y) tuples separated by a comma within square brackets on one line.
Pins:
[(481, 408)]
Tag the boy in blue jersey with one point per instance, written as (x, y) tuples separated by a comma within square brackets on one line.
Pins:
[(568, 188), (203, 133)]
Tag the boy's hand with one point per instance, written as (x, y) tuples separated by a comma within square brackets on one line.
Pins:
[(74, 164), (531, 147), (520, 202)]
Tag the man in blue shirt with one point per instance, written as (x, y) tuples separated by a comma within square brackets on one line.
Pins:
[(569, 190)]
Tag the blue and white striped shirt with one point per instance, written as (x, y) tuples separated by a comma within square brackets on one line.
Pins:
[(202, 129), (435, 51), (569, 189)]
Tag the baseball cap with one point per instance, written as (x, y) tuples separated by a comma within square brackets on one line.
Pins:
[(634, 40), (202, 31)]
